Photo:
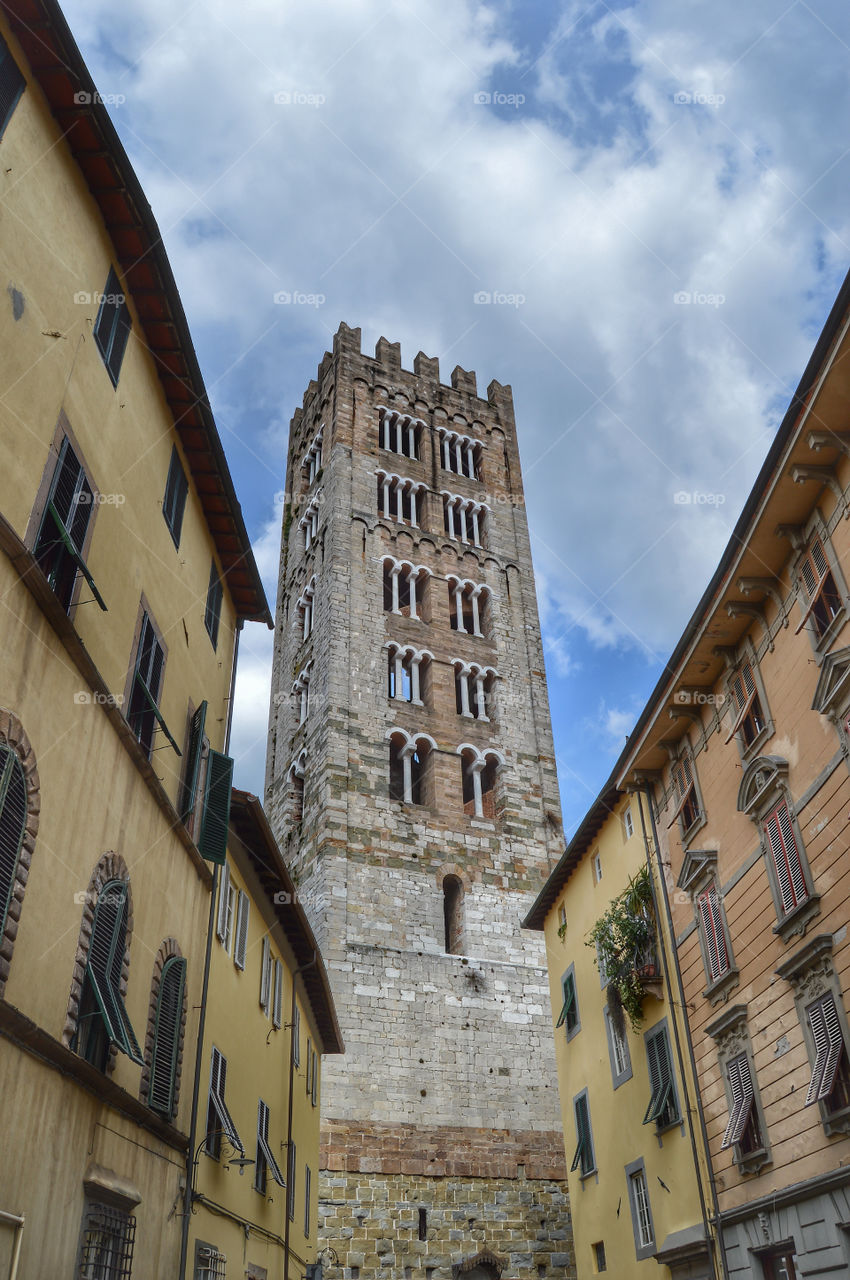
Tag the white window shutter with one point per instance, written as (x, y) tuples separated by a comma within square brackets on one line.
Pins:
[(278, 993), (242, 913), (223, 890)]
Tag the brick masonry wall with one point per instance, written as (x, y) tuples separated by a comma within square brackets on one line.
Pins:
[(458, 1046)]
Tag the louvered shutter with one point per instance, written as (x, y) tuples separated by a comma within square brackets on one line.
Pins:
[(193, 763), (166, 1043), (265, 976), (12, 84), (583, 1156), (13, 821), (786, 894), (829, 1044), (213, 839), (711, 919), (278, 994), (569, 1002), (176, 491), (792, 855), (218, 1080), (265, 1147), (105, 961), (660, 1077), (296, 1037), (314, 1083), (223, 893), (242, 913)]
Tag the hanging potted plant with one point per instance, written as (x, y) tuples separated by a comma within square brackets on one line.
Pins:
[(624, 939)]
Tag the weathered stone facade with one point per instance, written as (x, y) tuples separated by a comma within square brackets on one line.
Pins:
[(446, 1099)]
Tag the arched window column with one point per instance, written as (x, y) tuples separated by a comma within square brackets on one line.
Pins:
[(297, 771), (478, 771), (398, 498), (406, 669), (464, 518), (399, 432), (301, 689), (404, 586), (311, 463), (304, 605), (409, 760), (309, 522), (461, 454), (467, 600), (473, 687)]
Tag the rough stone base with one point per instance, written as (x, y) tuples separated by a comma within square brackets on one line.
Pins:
[(372, 1222)]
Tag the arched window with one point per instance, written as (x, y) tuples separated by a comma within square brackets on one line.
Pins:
[(296, 777), (13, 822), (301, 692), (166, 1023), (453, 914), (405, 588), (399, 433), (478, 774), (468, 606), (410, 766), (19, 810), (102, 1020), (464, 519), (407, 673), (460, 454), (474, 690), (399, 498), (306, 607)]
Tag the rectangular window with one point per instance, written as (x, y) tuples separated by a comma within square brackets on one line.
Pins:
[(749, 719), (663, 1106), (266, 976), (112, 326), (309, 1065), (290, 1178), (711, 922), (599, 1257), (628, 826), (219, 1122), (562, 921), (192, 763), (242, 913), (687, 807), (215, 824), (641, 1212), (569, 1013), (743, 1127), (212, 612), (277, 1016), (583, 1158), (226, 906), (818, 582), (266, 1162), (143, 712), (618, 1052), (830, 1082), (12, 85), (597, 867), (106, 1248), (787, 862), (780, 1264), (65, 524), (210, 1264), (174, 502), (308, 1186), (296, 1037), (314, 1083)]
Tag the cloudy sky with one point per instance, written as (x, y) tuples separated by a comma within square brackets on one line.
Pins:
[(653, 194)]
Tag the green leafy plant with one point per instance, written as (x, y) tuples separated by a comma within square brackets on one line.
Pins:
[(624, 940), (562, 930)]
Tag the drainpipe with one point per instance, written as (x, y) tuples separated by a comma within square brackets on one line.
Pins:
[(196, 1083), (680, 991), (17, 1221), (310, 964)]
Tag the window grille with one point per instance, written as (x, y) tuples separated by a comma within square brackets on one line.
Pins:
[(106, 1251), (210, 1264)]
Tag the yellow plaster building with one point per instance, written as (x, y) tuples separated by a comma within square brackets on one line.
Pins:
[(261, 1070), (125, 574), (636, 1181)]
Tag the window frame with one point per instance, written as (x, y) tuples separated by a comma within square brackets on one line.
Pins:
[(706, 887), (266, 1163), (45, 509), (291, 1166), (16, 93), (664, 1107), (816, 529), (308, 1188), (730, 1033), (105, 962), (642, 1250), (584, 1139), (212, 609), (174, 498), (748, 660), (686, 763), (569, 977), (617, 1077), (217, 1107), (174, 963), (811, 975), (98, 1217), (110, 340), (240, 929), (137, 681)]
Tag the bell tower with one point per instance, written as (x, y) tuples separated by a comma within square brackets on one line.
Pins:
[(411, 782)]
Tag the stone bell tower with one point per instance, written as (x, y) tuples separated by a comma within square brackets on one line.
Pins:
[(411, 783)]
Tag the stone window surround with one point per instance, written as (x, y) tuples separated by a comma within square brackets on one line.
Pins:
[(731, 1036), (110, 866), (642, 1251), (406, 657), (698, 875), (468, 512), (168, 949), (810, 973), (476, 766), (413, 572), (764, 786), (395, 485), (626, 1074), (396, 423), (816, 526), (747, 654), (13, 735), (681, 752), (476, 591), (832, 695), (483, 677), (305, 606)]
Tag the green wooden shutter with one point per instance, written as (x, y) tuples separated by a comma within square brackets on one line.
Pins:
[(166, 1036), (105, 961), (186, 806), (13, 821), (213, 841)]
